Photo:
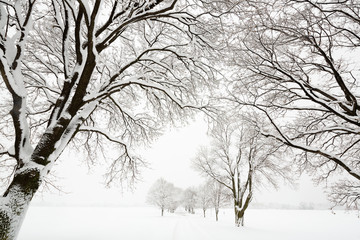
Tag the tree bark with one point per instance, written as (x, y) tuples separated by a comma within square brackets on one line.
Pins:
[(240, 211), (162, 212), (217, 214), (15, 202), (27, 180), (239, 218), (204, 213)]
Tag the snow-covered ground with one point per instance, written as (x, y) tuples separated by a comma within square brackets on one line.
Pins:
[(96, 223)]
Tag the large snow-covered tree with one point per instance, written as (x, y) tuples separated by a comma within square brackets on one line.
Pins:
[(297, 60), (89, 73), (241, 159)]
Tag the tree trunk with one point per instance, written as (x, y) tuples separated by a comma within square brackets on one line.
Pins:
[(240, 211), (217, 214), (15, 202), (204, 210), (27, 180), (239, 218), (162, 212)]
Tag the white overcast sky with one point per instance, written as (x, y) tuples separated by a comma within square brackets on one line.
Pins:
[(170, 157)]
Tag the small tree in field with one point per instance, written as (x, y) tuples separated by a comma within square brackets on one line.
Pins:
[(175, 200), (204, 197), (161, 194), (240, 159), (190, 199), (219, 196)]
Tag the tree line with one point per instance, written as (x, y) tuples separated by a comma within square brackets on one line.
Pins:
[(166, 196), (238, 161)]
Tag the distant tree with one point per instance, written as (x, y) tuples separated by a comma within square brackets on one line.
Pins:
[(161, 194), (204, 199), (239, 159), (175, 199), (219, 196), (190, 199), (306, 205)]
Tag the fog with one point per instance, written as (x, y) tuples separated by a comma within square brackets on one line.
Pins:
[(169, 157)]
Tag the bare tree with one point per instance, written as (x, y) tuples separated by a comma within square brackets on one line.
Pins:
[(175, 200), (219, 196), (238, 159), (297, 62), (190, 199), (161, 194), (204, 197), (90, 73)]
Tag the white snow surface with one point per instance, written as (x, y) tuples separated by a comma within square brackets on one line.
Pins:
[(145, 223)]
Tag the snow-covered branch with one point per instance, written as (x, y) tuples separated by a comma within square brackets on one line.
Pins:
[(103, 133), (291, 69)]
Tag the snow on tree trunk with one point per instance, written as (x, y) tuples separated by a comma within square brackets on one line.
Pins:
[(16, 200), (27, 179), (239, 218), (240, 210)]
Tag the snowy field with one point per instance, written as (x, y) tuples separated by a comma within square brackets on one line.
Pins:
[(96, 223)]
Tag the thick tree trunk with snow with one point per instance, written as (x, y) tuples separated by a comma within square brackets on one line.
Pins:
[(239, 218), (240, 209), (30, 173), (16, 200)]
